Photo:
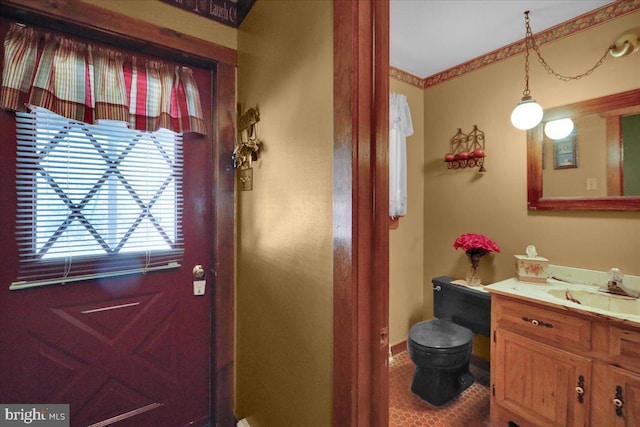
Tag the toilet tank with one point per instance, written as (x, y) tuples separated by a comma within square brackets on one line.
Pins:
[(462, 305)]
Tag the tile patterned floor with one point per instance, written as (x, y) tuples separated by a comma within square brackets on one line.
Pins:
[(470, 409)]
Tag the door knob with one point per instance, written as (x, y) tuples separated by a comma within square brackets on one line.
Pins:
[(198, 272)]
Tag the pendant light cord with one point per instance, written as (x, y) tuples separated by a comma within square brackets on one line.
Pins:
[(530, 40)]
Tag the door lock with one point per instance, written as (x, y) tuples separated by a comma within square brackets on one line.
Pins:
[(198, 272)]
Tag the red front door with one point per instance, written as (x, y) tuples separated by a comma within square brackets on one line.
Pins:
[(134, 350)]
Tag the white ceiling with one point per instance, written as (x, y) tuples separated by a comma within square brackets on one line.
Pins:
[(430, 36)]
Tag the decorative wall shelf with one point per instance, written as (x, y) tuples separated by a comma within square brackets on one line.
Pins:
[(467, 150)]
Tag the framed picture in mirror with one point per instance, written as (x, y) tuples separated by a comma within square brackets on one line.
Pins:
[(564, 153)]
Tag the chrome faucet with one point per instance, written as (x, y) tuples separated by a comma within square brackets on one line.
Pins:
[(615, 285)]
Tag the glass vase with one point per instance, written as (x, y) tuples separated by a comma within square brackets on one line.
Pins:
[(473, 278)]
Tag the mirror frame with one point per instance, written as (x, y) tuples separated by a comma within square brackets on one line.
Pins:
[(615, 105)]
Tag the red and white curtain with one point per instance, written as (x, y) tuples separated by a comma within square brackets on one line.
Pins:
[(88, 83)]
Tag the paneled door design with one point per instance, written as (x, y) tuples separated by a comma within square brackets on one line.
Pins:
[(130, 351)]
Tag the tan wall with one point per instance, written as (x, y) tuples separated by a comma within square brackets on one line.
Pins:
[(284, 263), (495, 203), (165, 15), (406, 243)]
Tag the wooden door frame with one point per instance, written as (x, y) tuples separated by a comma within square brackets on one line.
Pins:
[(86, 20), (361, 213)]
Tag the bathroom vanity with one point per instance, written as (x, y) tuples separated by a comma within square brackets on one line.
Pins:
[(563, 360)]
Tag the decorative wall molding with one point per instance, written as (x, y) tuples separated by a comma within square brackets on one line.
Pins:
[(580, 23), (397, 73)]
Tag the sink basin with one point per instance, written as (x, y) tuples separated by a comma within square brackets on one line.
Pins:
[(601, 300)]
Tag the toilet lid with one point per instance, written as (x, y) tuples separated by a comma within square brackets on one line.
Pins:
[(440, 334)]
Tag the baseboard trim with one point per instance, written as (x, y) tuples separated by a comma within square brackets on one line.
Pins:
[(480, 363), (398, 347)]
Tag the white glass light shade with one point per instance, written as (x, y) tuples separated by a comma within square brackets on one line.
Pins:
[(558, 129), (527, 114)]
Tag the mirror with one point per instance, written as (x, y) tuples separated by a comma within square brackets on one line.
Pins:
[(596, 167)]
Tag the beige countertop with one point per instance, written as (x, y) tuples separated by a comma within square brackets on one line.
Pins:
[(567, 296)]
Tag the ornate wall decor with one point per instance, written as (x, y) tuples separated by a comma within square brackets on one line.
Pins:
[(247, 146), (228, 12), (466, 150)]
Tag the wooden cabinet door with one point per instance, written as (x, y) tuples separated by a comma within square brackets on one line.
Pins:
[(623, 398), (538, 382)]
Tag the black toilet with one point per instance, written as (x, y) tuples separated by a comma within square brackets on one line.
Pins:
[(441, 348)]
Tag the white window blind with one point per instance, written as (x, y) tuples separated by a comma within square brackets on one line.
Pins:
[(95, 200)]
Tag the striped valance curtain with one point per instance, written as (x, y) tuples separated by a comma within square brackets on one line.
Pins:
[(88, 83)]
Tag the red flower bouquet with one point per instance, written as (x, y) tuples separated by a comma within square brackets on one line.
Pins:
[(476, 246), (476, 243)]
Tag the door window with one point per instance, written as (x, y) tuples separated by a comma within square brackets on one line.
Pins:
[(95, 200)]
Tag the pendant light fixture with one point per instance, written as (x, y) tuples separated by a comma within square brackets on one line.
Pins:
[(559, 129), (528, 113)]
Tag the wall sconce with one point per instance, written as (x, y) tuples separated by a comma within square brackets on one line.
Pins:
[(466, 150), (528, 113), (247, 146)]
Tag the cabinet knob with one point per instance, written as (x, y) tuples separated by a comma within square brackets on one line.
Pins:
[(618, 401), (580, 389), (536, 322)]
